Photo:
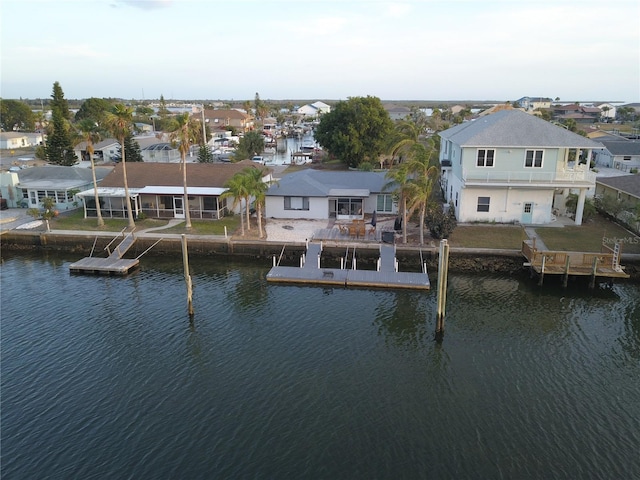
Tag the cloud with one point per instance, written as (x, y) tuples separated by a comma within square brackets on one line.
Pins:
[(398, 9), (61, 50), (145, 4)]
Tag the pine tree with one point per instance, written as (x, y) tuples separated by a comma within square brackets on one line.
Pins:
[(205, 155), (59, 148), (132, 149)]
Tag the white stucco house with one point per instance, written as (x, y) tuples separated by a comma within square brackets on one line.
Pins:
[(513, 167), (10, 140), (317, 194), (314, 109)]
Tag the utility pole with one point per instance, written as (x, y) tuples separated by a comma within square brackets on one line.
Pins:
[(204, 130)]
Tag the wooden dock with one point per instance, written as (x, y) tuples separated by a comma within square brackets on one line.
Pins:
[(114, 264), (546, 262), (385, 276)]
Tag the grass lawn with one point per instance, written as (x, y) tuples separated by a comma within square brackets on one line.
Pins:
[(208, 227), (589, 236), (488, 236), (76, 221)]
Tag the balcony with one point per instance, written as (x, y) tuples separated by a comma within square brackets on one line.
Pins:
[(567, 178)]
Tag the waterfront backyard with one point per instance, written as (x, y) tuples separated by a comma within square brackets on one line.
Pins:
[(588, 237)]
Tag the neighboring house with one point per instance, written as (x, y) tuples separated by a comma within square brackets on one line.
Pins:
[(163, 152), (513, 167), (625, 188), (57, 182), (619, 153), (529, 104), (318, 194), (107, 150), (498, 108), (221, 119), (397, 112), (156, 189), (608, 111), (578, 113), (9, 190), (10, 140), (314, 109)]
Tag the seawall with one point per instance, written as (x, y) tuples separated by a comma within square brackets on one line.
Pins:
[(410, 257)]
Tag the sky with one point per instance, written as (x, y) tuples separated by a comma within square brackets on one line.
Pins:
[(575, 50)]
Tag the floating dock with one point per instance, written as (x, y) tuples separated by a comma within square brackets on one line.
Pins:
[(385, 276), (114, 264)]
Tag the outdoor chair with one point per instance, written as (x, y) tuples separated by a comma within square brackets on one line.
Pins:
[(372, 231)]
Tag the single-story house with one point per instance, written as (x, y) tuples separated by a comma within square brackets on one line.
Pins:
[(625, 188), (156, 189), (512, 166), (57, 182), (619, 153), (10, 140), (314, 109), (397, 112), (107, 150), (318, 194)]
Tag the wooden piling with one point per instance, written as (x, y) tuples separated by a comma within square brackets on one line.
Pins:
[(187, 277), (594, 270), (565, 275), (541, 277), (443, 270)]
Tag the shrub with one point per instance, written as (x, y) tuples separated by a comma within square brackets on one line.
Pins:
[(441, 223)]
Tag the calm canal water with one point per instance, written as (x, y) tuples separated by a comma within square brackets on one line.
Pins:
[(105, 377)]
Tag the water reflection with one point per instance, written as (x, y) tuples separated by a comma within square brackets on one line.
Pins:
[(403, 318)]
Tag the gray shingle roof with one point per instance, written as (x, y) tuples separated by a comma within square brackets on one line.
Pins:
[(318, 183), (55, 176), (620, 146), (513, 128), (626, 183)]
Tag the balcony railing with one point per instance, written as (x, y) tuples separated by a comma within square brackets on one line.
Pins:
[(532, 177)]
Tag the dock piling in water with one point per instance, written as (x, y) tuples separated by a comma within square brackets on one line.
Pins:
[(443, 271), (187, 277)]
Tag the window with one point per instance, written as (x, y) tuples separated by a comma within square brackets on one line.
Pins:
[(533, 158), (296, 203), (384, 203), (209, 203), (350, 206), (485, 158), (626, 158), (456, 199), (483, 204), (528, 207)]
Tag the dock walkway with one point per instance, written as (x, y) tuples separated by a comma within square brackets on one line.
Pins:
[(114, 264), (386, 276)]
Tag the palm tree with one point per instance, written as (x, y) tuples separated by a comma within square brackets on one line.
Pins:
[(421, 185), (257, 189), (399, 178), (90, 133), (237, 189), (407, 135), (119, 122), (185, 134)]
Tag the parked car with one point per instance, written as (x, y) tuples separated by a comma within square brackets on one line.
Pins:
[(258, 159)]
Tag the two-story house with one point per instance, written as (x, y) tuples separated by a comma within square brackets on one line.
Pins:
[(513, 167)]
